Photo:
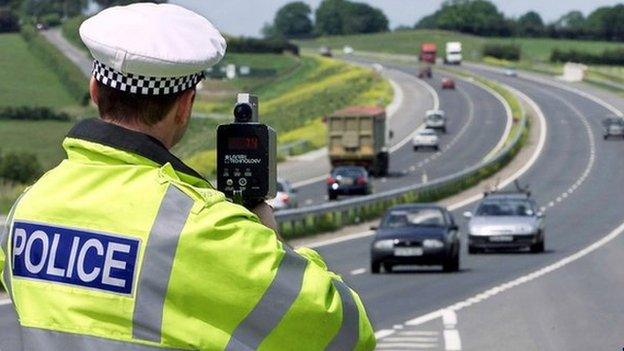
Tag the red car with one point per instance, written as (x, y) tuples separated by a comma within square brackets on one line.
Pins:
[(448, 83)]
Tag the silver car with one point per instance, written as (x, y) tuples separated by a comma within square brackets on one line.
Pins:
[(505, 220), (613, 126)]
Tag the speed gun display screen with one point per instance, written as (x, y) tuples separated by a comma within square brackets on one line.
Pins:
[(242, 143)]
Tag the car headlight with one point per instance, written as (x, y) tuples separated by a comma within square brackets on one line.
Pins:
[(384, 244), (433, 243)]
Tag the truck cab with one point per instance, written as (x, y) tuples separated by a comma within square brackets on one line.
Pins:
[(428, 52), (453, 53)]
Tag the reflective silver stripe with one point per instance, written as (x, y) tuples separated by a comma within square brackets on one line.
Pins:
[(273, 305), (157, 263), (349, 332), (4, 243), (34, 339)]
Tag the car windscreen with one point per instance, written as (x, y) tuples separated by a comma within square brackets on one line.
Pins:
[(434, 117), (506, 207), (413, 217)]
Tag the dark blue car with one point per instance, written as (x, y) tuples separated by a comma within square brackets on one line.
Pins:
[(416, 234)]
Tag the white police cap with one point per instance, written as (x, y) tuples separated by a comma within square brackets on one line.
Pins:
[(151, 49)]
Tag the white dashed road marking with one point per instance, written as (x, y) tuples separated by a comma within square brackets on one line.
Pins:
[(358, 271)]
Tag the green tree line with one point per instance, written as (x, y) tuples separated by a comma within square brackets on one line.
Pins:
[(481, 17)]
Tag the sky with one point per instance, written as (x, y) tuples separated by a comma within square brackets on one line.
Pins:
[(246, 17)]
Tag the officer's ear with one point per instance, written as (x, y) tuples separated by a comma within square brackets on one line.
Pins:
[(93, 90), (185, 106)]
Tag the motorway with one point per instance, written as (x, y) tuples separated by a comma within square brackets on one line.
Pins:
[(570, 180), (476, 123)]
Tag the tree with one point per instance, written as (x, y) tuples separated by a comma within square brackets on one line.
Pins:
[(108, 3), (21, 168), (335, 17), (530, 24), (363, 18), (329, 17), (596, 25), (293, 20), (478, 17), (570, 25)]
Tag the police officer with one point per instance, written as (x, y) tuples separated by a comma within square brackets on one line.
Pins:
[(124, 247)]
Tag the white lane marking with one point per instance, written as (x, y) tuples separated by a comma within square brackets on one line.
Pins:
[(538, 151), (410, 339), (340, 239), (406, 346), (397, 101), (5, 302), (452, 342), (397, 326), (358, 271), (508, 113), (523, 279), (419, 332), (590, 136), (380, 334), (449, 318)]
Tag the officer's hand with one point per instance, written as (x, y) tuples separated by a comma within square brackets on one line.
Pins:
[(265, 214)]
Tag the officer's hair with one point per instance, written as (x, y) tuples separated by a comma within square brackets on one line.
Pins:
[(123, 106)]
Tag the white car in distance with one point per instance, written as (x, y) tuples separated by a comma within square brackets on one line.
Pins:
[(426, 138), (435, 119)]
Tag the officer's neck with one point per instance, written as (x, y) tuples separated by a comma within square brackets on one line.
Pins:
[(161, 131)]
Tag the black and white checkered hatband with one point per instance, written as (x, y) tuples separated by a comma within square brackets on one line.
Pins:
[(143, 85)]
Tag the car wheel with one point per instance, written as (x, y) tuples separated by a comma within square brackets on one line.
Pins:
[(443, 129), (605, 137), (333, 196), (436, 148), (388, 267), (375, 267), (415, 148), (451, 264), (539, 247)]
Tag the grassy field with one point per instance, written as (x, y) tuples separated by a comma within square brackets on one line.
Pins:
[(408, 42), (25, 80), (42, 138)]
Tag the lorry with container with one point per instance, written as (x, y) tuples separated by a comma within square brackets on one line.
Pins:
[(428, 52), (453, 53), (358, 136)]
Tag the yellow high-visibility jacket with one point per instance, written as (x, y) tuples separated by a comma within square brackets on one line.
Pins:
[(124, 247)]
